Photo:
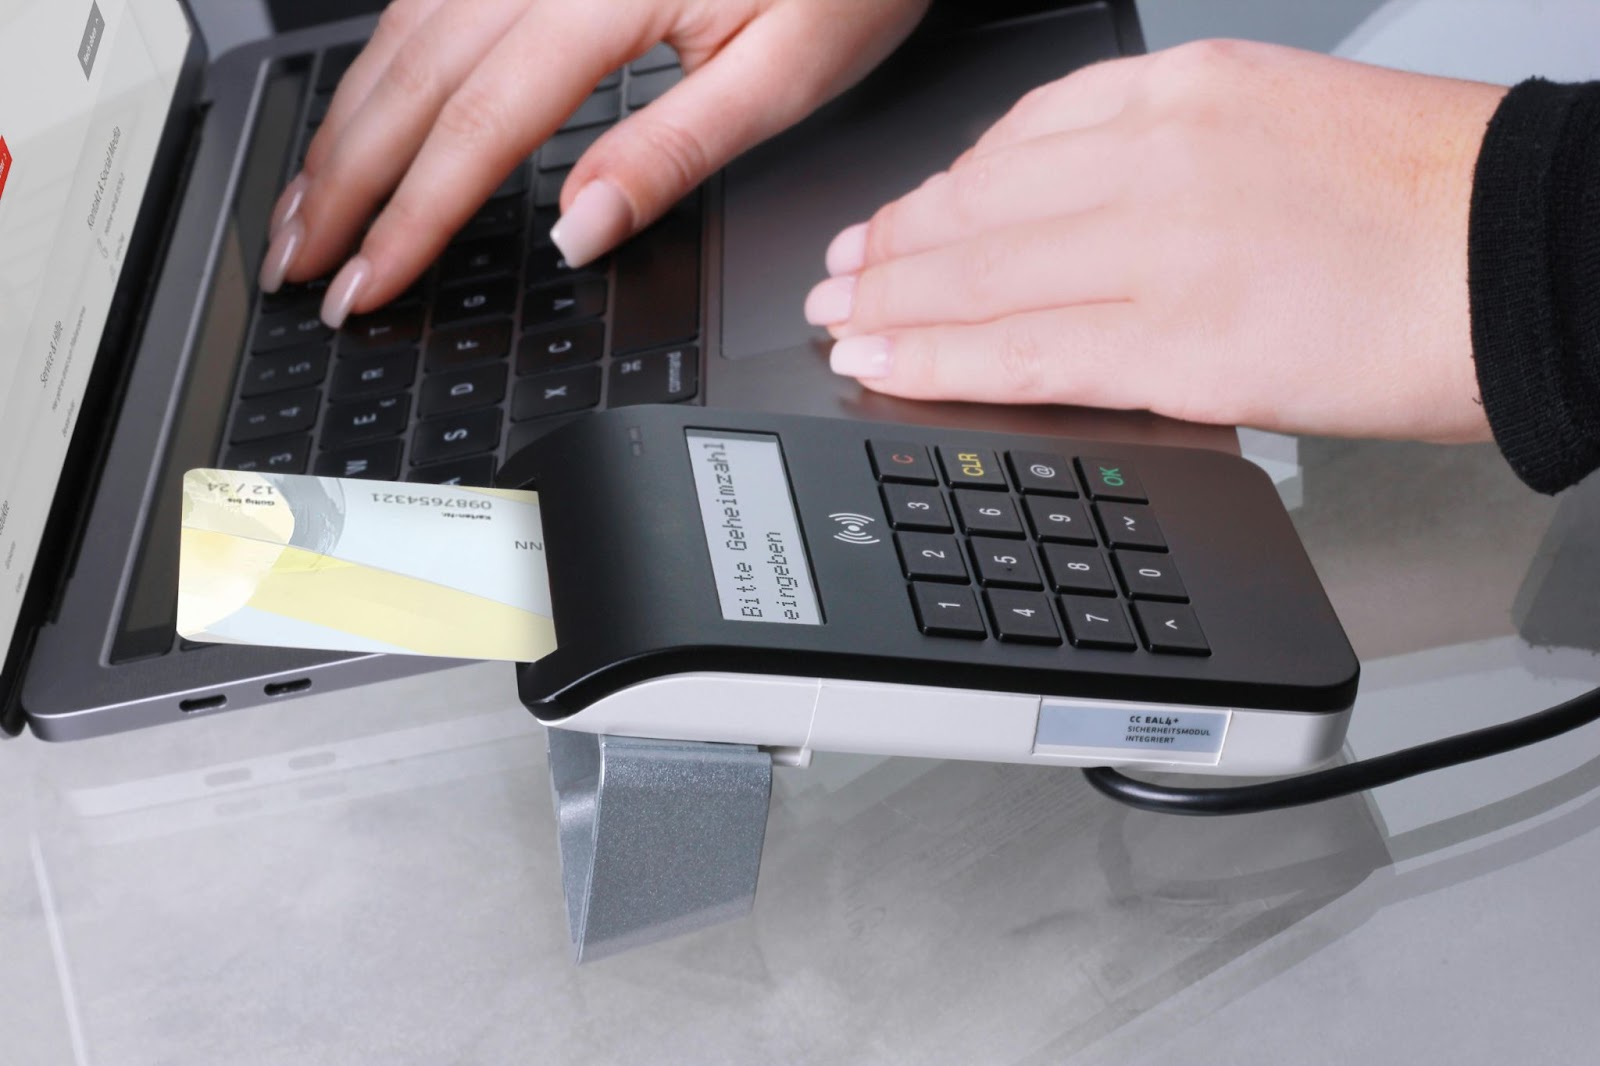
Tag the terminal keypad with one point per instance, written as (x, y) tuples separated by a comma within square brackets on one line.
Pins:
[(1032, 547)]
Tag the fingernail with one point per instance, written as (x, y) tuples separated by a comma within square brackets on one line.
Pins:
[(597, 221), (280, 255), (861, 357), (343, 290), (288, 207), (847, 252), (832, 301)]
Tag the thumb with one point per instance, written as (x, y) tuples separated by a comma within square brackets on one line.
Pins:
[(757, 84)]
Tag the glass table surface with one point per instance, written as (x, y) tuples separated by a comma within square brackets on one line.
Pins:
[(374, 876)]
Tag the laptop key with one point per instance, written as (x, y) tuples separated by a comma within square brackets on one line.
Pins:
[(281, 455), (387, 327), (292, 368), (564, 345), (486, 257), (544, 219), (462, 346), (318, 111), (661, 56), (497, 216), (645, 89), (516, 183), (285, 329), (478, 472), (456, 436), (275, 416), (547, 188), (462, 390), (656, 377), (376, 461), (290, 296), (335, 61), (563, 302), (365, 376), (658, 285), (352, 423), (600, 108), (563, 149), (546, 264), (476, 299), (556, 393)]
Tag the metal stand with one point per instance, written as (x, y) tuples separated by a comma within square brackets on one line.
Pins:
[(658, 837)]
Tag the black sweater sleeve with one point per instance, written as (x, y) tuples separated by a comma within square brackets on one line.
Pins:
[(1533, 260)]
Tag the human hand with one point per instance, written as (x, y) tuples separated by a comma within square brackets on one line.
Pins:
[(450, 95), (1223, 232)]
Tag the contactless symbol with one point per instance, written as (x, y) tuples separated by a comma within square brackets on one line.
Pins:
[(1042, 470), (855, 528)]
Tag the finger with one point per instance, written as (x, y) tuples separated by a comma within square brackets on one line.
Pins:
[(1060, 174), (379, 141), (481, 132), (397, 26), (1056, 262), (653, 158), (399, 21), (1076, 355), (1089, 96)]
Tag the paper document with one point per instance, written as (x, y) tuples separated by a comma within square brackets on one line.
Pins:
[(366, 566)]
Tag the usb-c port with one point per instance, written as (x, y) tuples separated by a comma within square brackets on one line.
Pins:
[(286, 688), (202, 703)]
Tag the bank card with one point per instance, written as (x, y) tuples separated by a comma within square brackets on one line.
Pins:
[(296, 561)]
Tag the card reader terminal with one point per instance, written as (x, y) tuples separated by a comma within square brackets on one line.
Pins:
[(810, 584)]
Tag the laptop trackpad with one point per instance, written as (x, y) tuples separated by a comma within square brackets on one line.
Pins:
[(784, 201)]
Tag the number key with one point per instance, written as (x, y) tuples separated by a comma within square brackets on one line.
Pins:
[(1081, 571), (931, 556), (284, 370), (916, 507), (283, 455), (987, 513), (1023, 617), (1058, 520), (273, 416), (947, 611), (1005, 563), (1148, 576), (1095, 623)]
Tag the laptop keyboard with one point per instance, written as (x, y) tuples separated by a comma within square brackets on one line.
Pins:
[(498, 343)]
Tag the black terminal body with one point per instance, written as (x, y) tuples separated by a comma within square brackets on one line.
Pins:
[(1059, 567)]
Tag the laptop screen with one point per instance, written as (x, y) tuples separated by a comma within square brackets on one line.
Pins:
[(85, 90)]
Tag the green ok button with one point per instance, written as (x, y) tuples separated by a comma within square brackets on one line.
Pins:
[(1111, 479)]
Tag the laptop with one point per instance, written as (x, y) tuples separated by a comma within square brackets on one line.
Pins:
[(136, 181)]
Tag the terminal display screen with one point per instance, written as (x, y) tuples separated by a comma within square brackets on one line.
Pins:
[(752, 532)]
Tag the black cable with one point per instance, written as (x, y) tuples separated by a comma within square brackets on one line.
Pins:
[(1351, 777)]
